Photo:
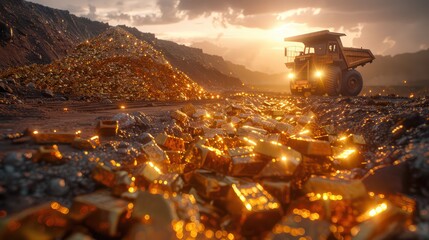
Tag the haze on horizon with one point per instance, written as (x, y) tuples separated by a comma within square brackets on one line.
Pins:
[(251, 32)]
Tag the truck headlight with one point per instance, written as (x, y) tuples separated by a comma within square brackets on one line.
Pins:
[(318, 74), (291, 76)]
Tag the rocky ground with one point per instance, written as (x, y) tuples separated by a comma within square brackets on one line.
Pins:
[(215, 178)]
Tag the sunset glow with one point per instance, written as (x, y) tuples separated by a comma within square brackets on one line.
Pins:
[(251, 33)]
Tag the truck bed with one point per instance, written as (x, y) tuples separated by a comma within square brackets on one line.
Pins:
[(357, 56)]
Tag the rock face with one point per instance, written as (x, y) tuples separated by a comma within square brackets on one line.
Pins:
[(32, 33), (114, 65)]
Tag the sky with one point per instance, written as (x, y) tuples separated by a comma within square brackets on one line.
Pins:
[(252, 32)]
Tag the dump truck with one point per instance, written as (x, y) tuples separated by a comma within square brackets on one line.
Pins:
[(324, 66)]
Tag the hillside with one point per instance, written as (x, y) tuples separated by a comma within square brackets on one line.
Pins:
[(393, 70), (31, 33), (210, 71), (114, 65)]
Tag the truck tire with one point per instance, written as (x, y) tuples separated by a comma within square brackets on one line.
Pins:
[(352, 83), (295, 92), (332, 81)]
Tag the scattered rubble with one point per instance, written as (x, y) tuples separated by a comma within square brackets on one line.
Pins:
[(254, 167)]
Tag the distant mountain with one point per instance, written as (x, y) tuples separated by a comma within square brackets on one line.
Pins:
[(383, 71), (31, 33), (394, 70)]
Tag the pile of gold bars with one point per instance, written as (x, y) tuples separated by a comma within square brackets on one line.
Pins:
[(114, 65), (236, 172)]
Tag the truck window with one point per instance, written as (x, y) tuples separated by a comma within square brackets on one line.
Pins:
[(308, 50), (318, 49), (332, 47)]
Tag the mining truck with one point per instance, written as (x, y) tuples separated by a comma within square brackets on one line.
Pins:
[(323, 65)]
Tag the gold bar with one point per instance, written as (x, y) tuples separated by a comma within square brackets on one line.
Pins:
[(86, 144), (278, 189), (45, 221), (357, 139), (154, 153), (347, 158), (189, 109), (104, 175), (310, 146), (295, 226), (122, 183), (165, 216), (49, 154), (210, 185), (277, 113), (253, 208), (162, 209), (175, 156), (282, 168), (245, 165), (238, 151), (382, 220), (101, 212), (147, 173), (196, 131), (43, 138), (171, 182), (170, 142), (107, 128), (273, 150), (179, 116), (406, 204), (351, 139), (309, 117), (214, 159), (348, 189), (251, 132), (79, 236), (285, 127), (229, 129)]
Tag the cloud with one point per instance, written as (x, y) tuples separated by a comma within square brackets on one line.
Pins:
[(386, 27), (209, 47), (92, 12), (368, 22), (169, 13), (118, 16)]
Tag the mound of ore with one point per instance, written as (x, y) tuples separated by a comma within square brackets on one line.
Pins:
[(114, 65)]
